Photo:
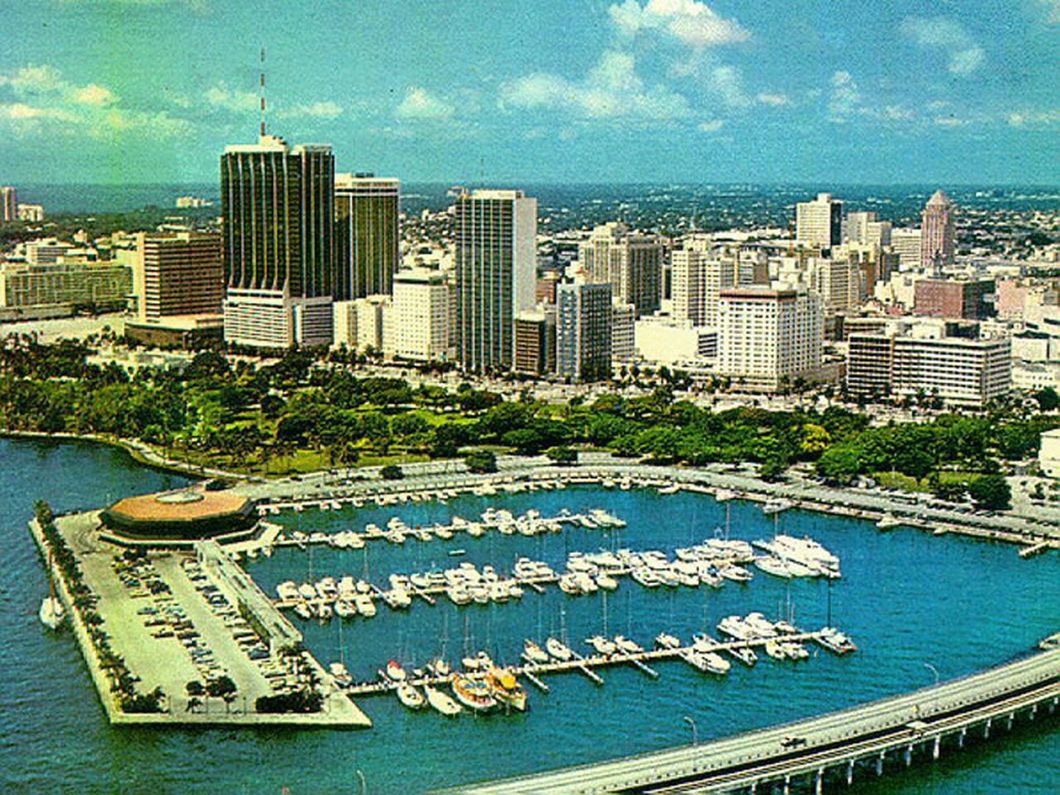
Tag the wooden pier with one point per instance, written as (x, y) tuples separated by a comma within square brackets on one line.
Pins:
[(587, 665)]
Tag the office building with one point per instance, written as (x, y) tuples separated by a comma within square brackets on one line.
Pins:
[(583, 331), (938, 232), (970, 299), (102, 285), (360, 325), (866, 229), (495, 237), (631, 263), (701, 271), (278, 205), (180, 274), (31, 213), (819, 223), (535, 340), (663, 340), (366, 235), (8, 204), (769, 338), (905, 243), (910, 360), (418, 318), (623, 333)]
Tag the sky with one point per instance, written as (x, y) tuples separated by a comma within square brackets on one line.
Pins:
[(525, 91)]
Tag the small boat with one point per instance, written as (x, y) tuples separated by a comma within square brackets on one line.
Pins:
[(775, 650), (441, 702), (365, 605), (51, 612), (666, 641), (394, 672), (303, 611), (410, 696), (602, 645), (744, 654), (534, 653), (506, 689), (340, 674), (456, 553), (438, 667), (626, 645), (558, 649), (606, 581), (774, 566), (715, 663), (473, 693)]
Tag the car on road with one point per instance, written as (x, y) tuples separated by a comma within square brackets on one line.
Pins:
[(793, 742)]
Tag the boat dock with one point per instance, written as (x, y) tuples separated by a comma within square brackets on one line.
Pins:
[(588, 665)]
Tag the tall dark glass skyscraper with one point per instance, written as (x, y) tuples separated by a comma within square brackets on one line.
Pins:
[(278, 243), (366, 235)]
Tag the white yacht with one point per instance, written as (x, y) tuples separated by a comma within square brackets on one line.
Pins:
[(626, 645), (534, 653), (410, 696), (602, 645), (51, 612), (558, 649), (667, 641), (441, 702)]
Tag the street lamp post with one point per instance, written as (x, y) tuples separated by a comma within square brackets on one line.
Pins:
[(695, 729)]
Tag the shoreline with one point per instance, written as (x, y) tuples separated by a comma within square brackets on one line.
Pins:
[(1033, 537)]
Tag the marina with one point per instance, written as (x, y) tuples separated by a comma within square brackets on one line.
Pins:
[(876, 569)]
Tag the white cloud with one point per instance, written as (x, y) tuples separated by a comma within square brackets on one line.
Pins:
[(844, 98), (690, 22), (727, 83), (316, 110), (964, 53), (611, 89), (93, 94), (713, 125), (1033, 117), (1052, 9), (222, 97), (775, 100), (421, 104), (46, 103)]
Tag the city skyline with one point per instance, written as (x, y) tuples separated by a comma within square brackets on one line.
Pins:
[(600, 92)]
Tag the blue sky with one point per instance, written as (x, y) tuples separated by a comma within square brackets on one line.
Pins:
[(522, 91)]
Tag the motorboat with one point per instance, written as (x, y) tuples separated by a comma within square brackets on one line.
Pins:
[(303, 611), (438, 667), (365, 605), (735, 573), (774, 566), (475, 694), (744, 654), (51, 612), (606, 581), (715, 663), (505, 688)]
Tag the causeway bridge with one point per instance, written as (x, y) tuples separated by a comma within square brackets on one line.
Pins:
[(830, 748)]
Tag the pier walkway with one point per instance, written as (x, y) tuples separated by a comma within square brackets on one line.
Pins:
[(587, 664), (830, 747)]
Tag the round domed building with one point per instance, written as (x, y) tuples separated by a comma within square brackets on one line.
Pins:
[(193, 512)]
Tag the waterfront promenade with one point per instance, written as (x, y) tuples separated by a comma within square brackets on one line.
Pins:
[(915, 511), (837, 746)]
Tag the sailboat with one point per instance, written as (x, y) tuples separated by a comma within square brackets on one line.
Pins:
[(51, 611)]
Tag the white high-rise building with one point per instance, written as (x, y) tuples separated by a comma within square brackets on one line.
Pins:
[(701, 272), (866, 229), (631, 263), (905, 242), (819, 223), (768, 338), (623, 336), (496, 268), (8, 204), (837, 281), (418, 320)]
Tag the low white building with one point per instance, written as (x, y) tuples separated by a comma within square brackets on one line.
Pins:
[(662, 340), (417, 323), (1049, 454)]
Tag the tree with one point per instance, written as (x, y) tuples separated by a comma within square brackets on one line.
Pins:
[(481, 461), (564, 456), (990, 492), (1048, 399), (391, 472)]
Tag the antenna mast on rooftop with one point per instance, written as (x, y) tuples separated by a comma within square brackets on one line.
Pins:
[(261, 88)]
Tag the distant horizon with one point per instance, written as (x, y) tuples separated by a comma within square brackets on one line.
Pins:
[(958, 92), (820, 186)]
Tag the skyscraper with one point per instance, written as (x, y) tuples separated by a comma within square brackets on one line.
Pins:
[(583, 331), (179, 274), (278, 243), (366, 235), (937, 231), (496, 265), (631, 263), (819, 223), (8, 204)]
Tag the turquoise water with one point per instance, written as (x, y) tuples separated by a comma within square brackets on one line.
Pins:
[(906, 597)]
